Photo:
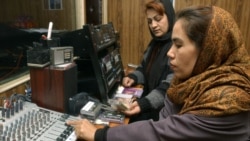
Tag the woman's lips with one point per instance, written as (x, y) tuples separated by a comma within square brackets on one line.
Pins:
[(156, 31), (172, 66)]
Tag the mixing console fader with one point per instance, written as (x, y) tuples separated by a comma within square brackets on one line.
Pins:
[(30, 122)]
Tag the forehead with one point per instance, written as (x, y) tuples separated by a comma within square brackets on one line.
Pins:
[(151, 13), (178, 30)]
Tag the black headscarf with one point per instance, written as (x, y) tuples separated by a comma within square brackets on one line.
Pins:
[(169, 11)]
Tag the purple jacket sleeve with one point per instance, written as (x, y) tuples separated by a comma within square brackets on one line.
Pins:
[(187, 127), (184, 128)]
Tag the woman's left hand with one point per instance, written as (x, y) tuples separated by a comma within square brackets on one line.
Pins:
[(83, 129)]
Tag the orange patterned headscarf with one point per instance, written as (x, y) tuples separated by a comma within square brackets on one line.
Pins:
[(221, 81)]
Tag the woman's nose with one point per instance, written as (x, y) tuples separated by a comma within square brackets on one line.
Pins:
[(154, 23), (170, 53)]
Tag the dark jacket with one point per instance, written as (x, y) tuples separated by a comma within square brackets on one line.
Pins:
[(157, 79)]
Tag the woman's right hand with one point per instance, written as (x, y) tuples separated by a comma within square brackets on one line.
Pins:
[(127, 82), (133, 109)]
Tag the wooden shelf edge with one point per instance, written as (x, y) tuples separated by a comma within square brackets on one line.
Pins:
[(12, 84)]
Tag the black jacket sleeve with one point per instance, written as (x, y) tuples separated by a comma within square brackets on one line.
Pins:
[(101, 134)]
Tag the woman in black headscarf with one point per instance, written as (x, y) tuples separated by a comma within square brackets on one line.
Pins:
[(154, 72)]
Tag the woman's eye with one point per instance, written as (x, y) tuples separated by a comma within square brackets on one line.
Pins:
[(178, 45), (158, 18), (149, 21)]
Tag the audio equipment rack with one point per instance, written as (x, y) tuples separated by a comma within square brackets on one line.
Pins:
[(100, 41)]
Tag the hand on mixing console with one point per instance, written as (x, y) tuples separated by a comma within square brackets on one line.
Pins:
[(83, 129)]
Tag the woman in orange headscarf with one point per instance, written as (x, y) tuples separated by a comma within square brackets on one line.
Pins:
[(209, 97)]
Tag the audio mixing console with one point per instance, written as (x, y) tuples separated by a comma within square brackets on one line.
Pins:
[(25, 121)]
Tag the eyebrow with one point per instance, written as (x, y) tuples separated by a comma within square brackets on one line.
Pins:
[(153, 16), (175, 39)]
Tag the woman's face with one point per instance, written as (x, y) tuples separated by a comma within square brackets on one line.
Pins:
[(158, 24), (183, 53)]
